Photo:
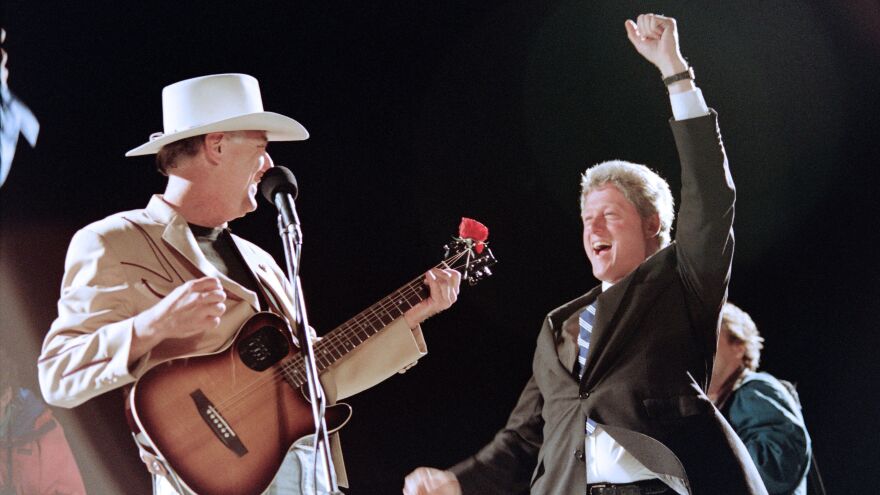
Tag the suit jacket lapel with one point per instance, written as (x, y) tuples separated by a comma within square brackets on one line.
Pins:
[(267, 279), (271, 283), (614, 323), (566, 347), (607, 307), (179, 237)]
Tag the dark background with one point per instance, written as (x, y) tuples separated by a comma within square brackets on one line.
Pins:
[(423, 112)]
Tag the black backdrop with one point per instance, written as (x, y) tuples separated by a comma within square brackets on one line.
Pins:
[(423, 112)]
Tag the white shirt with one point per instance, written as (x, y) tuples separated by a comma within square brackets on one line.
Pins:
[(607, 460)]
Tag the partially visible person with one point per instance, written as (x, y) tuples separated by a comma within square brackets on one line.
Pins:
[(763, 410), (15, 118), (35, 457)]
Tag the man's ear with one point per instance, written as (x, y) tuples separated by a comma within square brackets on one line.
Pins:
[(652, 226), (213, 145)]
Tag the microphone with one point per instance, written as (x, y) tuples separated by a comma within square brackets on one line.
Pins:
[(278, 179), (278, 186)]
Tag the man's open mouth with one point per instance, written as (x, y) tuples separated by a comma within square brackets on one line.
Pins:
[(600, 246)]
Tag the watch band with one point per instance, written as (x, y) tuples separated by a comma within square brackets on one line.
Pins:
[(688, 74)]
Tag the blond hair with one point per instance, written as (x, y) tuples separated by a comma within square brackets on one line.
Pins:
[(640, 185)]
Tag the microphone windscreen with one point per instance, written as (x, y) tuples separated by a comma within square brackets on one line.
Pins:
[(276, 180)]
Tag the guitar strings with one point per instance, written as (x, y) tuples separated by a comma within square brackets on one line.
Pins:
[(334, 338), (371, 315), (338, 335)]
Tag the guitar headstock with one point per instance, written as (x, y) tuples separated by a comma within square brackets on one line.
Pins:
[(469, 253)]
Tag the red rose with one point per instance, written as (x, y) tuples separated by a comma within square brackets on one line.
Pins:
[(474, 230)]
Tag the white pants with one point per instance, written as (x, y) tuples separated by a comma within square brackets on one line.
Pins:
[(293, 478)]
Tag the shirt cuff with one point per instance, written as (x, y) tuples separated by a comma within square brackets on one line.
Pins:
[(688, 104)]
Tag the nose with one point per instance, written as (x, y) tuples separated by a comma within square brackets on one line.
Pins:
[(595, 224)]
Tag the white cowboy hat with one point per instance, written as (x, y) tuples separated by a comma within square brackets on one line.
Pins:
[(216, 103)]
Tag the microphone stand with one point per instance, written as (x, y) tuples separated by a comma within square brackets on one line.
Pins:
[(291, 238)]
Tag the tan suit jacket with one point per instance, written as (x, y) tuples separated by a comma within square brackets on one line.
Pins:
[(124, 264)]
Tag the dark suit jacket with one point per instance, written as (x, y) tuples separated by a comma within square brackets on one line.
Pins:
[(651, 355)]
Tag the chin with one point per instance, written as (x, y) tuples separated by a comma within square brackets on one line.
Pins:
[(607, 275), (250, 204)]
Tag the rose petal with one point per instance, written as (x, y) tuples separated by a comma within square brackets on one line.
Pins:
[(472, 229)]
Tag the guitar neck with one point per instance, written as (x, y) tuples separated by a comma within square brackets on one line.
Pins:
[(354, 332)]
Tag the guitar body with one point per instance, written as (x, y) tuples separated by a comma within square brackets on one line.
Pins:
[(224, 422)]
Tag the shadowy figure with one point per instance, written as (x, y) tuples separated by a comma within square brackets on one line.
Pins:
[(15, 118)]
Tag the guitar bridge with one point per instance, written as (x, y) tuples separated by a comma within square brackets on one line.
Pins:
[(215, 421)]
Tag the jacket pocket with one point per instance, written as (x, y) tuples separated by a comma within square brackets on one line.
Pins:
[(680, 406)]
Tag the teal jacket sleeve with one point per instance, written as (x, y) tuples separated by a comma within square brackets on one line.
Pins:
[(770, 424)]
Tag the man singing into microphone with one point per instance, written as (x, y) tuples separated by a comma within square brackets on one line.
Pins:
[(144, 286)]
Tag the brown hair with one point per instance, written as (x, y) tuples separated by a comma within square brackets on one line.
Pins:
[(167, 157), (741, 329)]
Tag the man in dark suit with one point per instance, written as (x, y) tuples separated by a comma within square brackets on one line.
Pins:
[(615, 404)]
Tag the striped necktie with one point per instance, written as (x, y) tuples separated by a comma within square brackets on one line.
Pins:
[(586, 330)]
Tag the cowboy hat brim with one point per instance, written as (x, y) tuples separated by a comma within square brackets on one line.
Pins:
[(277, 127)]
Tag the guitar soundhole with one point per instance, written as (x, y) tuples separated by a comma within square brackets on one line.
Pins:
[(263, 348)]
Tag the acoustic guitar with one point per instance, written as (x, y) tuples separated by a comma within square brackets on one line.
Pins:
[(223, 422)]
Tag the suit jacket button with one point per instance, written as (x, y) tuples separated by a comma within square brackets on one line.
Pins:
[(579, 455), (584, 395)]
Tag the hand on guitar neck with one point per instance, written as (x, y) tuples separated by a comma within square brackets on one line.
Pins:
[(443, 285)]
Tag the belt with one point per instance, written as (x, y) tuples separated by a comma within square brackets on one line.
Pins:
[(646, 487)]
